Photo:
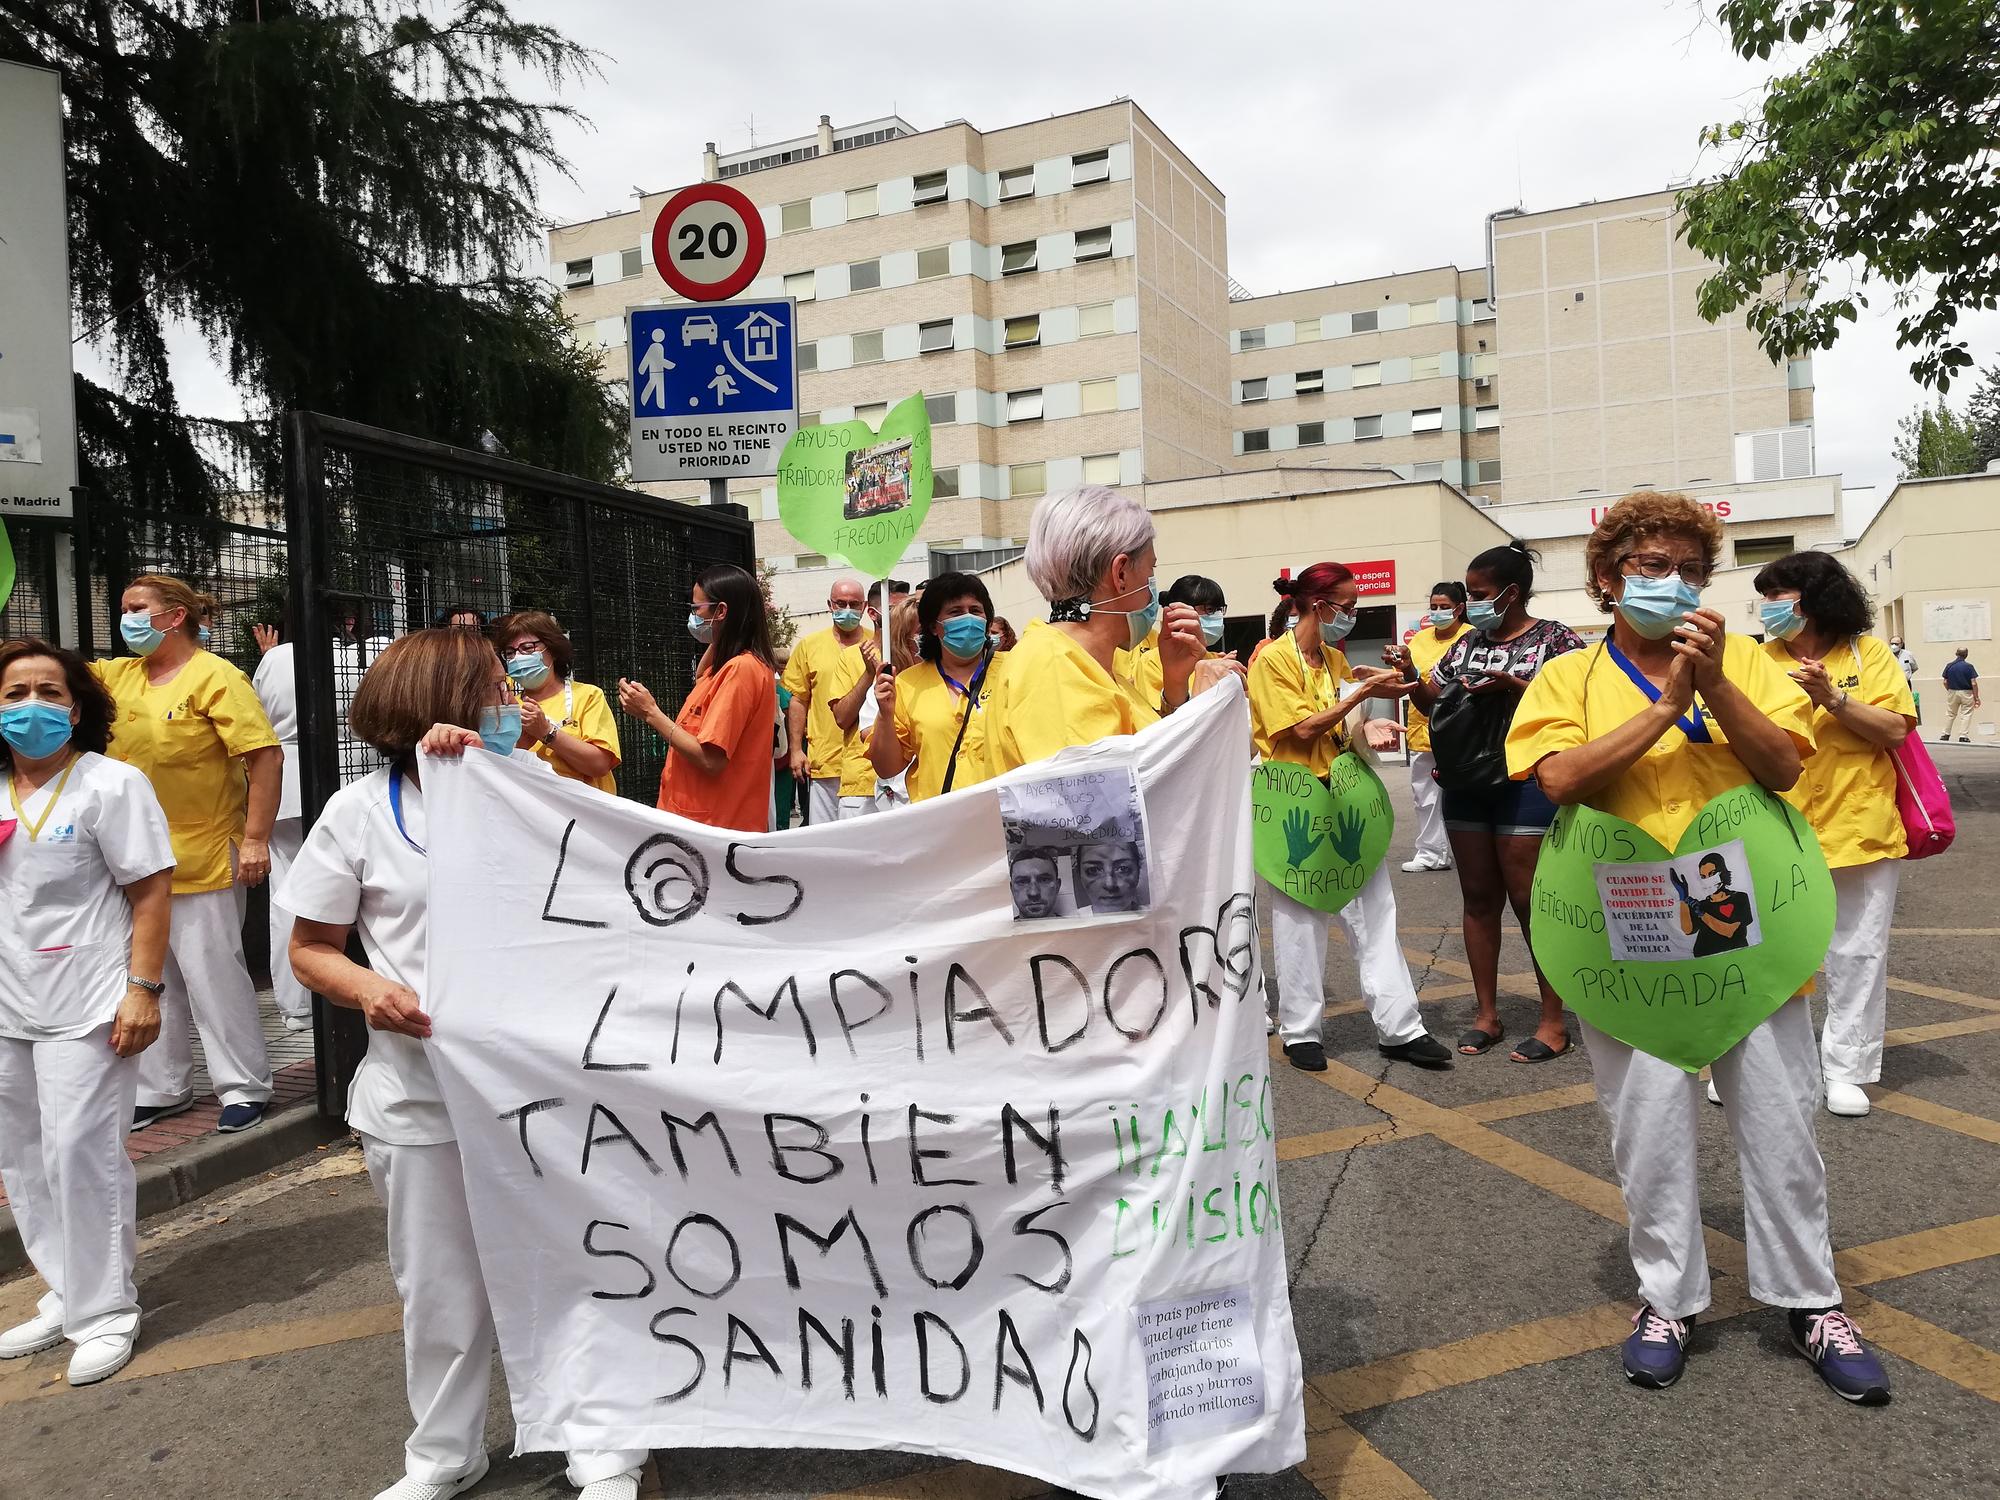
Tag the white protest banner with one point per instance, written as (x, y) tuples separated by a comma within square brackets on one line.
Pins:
[(827, 1139)]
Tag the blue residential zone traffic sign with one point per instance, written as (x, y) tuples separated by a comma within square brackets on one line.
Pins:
[(714, 388)]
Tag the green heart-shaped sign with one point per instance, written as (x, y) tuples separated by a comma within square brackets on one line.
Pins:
[(1319, 841), (846, 490), (1684, 954)]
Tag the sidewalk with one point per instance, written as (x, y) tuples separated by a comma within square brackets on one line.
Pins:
[(182, 1157)]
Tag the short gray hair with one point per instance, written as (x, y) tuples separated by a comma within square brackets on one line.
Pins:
[(1073, 537)]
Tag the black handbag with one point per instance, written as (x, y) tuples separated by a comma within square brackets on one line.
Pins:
[(1469, 736)]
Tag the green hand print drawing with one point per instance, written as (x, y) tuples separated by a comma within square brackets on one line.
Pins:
[(1347, 832), (1298, 846)]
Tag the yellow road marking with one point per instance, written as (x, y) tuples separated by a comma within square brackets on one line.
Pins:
[(1340, 1461), (1326, 1142), (1913, 1108), (1936, 1349), (1912, 1254), (1514, 1106), (1906, 1036), (1932, 992)]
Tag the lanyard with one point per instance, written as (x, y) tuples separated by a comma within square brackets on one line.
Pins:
[(1332, 694), (396, 807), (1692, 724), (14, 796)]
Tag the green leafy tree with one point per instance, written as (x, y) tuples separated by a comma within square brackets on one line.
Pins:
[(1983, 414), (1935, 441), (337, 194), (784, 629), (1873, 161)]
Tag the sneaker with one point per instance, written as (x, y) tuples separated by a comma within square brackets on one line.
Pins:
[(1307, 1057), (237, 1117), (1656, 1352), (1829, 1339), (1714, 1093), (1964, 740), (101, 1358), (420, 1489), (152, 1114), (1848, 1099), (617, 1487), (1420, 864), (297, 1023), (1425, 1051), (32, 1337)]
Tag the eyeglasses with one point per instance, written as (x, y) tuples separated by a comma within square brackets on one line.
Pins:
[(529, 647), (1658, 565)]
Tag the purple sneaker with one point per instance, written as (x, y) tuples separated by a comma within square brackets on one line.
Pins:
[(1656, 1353), (1830, 1340)]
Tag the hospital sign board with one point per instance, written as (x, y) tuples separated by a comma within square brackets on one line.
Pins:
[(714, 388)]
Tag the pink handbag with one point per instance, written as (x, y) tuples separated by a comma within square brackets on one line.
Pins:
[(1921, 799)]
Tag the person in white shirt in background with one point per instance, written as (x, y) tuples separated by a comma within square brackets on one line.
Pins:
[(86, 895), (276, 686), (363, 869)]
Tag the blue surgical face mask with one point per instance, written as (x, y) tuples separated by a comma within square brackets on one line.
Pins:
[(964, 636), (1291, 622), (1139, 623), (1483, 614), (847, 619), (702, 630), (1333, 632), (137, 628), (36, 730), (500, 727), (529, 671), (1781, 618), (1211, 628), (1442, 618), (1654, 606), (201, 634)]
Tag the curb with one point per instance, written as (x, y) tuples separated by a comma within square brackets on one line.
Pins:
[(202, 1166)]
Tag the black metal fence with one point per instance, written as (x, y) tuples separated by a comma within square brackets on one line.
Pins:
[(36, 608)]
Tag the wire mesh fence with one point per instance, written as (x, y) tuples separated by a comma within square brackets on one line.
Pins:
[(34, 608)]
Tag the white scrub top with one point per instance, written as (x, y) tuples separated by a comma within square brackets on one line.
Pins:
[(358, 868), (277, 689), (65, 925)]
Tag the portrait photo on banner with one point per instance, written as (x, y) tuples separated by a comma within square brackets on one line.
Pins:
[(1077, 845)]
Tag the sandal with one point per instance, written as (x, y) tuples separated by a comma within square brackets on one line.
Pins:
[(1473, 1042), (1535, 1050)]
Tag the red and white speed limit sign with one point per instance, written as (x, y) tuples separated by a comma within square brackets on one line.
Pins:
[(709, 242)]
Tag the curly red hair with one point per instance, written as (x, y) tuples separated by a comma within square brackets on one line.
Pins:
[(1640, 517)]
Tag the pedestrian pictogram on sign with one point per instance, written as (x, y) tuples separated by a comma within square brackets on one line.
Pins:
[(708, 244), (714, 389)]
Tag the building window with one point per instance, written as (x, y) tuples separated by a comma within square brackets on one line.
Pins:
[(872, 413), (868, 348), (1309, 382), (795, 216), (1100, 468), (1100, 395), (1307, 330), (802, 285), (1094, 319), (933, 262), (1255, 390), (1311, 434), (1017, 258), (1367, 427), (1420, 314), (1428, 419), (1017, 182), (1424, 367), (941, 410), (1486, 418), (1427, 471), (1024, 406), (1090, 166), (1024, 332), (1482, 310), (944, 483), (1367, 375), (629, 263), (1249, 338), (1362, 322), (1025, 479), (808, 355), (1485, 365), (1093, 244), (931, 188), (1257, 441), (1489, 471), (861, 202), (864, 275), (576, 272), (933, 337), (1752, 551)]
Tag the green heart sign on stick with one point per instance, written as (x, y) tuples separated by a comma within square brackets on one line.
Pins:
[(1682, 954), (1319, 841), (847, 490)]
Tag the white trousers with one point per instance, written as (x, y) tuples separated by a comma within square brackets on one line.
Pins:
[(1432, 843), (294, 999), (447, 1323), (825, 799), (1769, 1084), (64, 1110), (207, 974), (1298, 940), (1857, 971), (856, 807)]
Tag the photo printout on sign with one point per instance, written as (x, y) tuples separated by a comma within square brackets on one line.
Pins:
[(1679, 908), (1076, 845)]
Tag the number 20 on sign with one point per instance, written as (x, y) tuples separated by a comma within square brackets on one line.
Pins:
[(708, 242)]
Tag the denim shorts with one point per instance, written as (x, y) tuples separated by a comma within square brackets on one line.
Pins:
[(1513, 809)]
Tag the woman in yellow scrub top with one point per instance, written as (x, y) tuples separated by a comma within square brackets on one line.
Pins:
[(1649, 725), (566, 722), (930, 717), (1817, 618), (186, 718), (1440, 631)]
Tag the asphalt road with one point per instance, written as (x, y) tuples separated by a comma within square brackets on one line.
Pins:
[(1459, 1283)]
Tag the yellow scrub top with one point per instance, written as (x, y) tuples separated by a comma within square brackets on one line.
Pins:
[(1848, 792), (857, 771), (929, 708), (186, 735), (1584, 694), (1426, 651), (817, 665), (1054, 695), (1138, 670), (580, 709), (1284, 691)]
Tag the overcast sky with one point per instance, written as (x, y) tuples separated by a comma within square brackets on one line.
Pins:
[(1351, 137)]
